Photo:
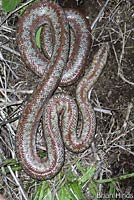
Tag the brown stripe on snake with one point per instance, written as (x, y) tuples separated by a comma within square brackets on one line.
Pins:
[(57, 106)]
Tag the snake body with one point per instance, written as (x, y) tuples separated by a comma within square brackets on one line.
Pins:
[(62, 66)]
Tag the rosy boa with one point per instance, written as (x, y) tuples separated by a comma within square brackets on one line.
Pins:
[(66, 48)]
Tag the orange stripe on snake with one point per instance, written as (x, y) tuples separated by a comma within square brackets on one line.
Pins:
[(66, 48)]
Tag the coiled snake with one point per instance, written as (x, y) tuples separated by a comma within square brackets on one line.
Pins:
[(66, 47)]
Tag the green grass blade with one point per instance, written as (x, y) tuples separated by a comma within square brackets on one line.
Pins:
[(115, 179), (88, 174), (93, 189), (43, 192)]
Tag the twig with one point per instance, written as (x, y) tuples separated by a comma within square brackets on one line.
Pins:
[(10, 50), (99, 15), (119, 61), (17, 91), (130, 106), (17, 182), (8, 124), (15, 103), (121, 147), (102, 110), (7, 29)]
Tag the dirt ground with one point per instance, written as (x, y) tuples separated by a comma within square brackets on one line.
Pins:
[(112, 98)]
